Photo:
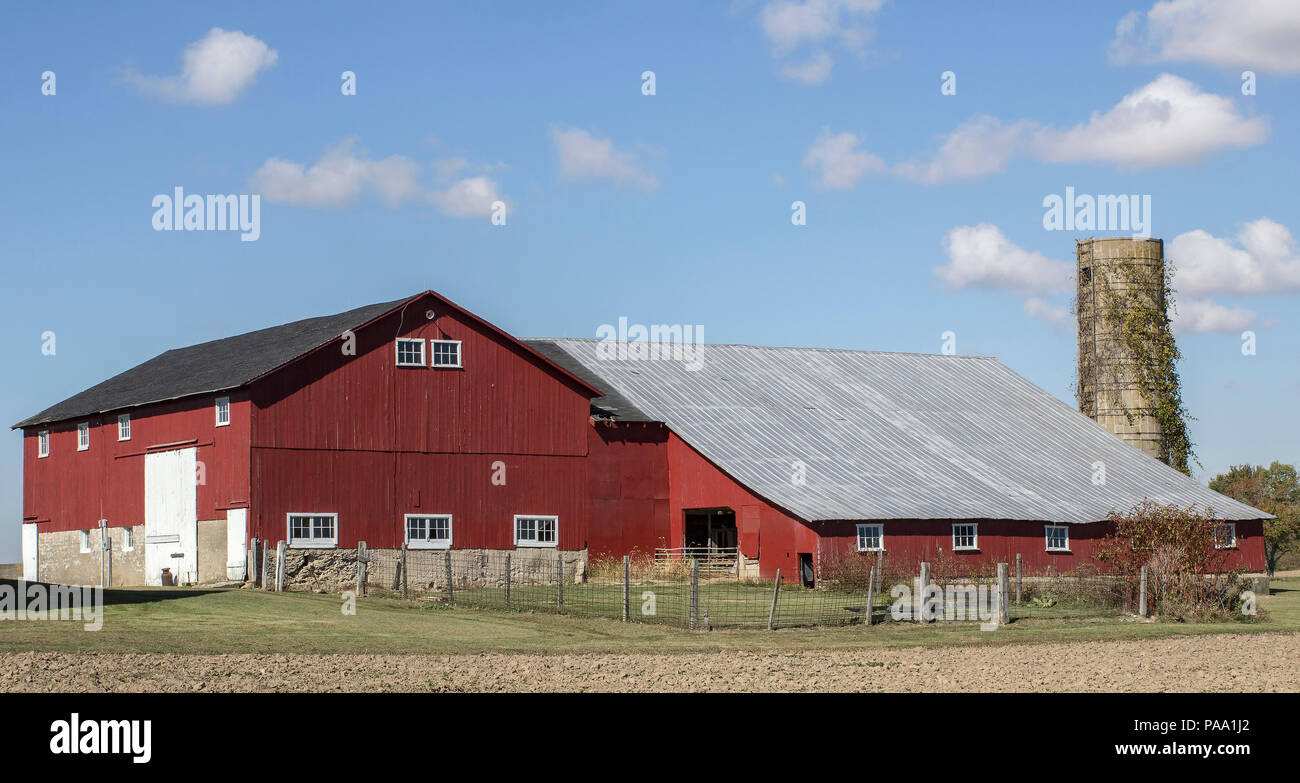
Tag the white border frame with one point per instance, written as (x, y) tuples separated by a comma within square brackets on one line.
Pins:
[(1047, 538), (975, 536), (42, 435), (460, 356), (514, 532), (313, 543), (83, 426), (857, 537), (397, 352), (83, 542), (406, 532), (123, 418), (128, 539), (216, 411)]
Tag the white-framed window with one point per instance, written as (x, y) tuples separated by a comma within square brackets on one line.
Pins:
[(965, 535), (871, 538), (223, 411), (83, 436), (43, 443), (127, 544), (1058, 538), (533, 530), (410, 352), (85, 540), (1225, 535), (444, 353), (428, 531), (313, 531), (123, 426)]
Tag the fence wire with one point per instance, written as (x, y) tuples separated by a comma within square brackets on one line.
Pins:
[(562, 582)]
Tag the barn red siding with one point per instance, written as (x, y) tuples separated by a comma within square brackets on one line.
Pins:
[(72, 490), (356, 435), (628, 486), (777, 538)]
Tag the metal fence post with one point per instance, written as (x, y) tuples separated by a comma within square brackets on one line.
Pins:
[(559, 580), (1017, 578), (507, 579), (446, 567), (1004, 599), (1142, 593), (362, 559), (776, 589), (405, 580), (627, 588), (871, 596), (918, 601), (695, 591)]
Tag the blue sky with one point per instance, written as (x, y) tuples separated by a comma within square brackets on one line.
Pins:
[(665, 208)]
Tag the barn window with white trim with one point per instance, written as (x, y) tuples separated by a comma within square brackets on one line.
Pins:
[(123, 426), (1058, 538), (223, 411), (43, 443), (871, 538), (410, 353), (1225, 535), (444, 353), (313, 531), (428, 531), (965, 536), (83, 436), (536, 531)]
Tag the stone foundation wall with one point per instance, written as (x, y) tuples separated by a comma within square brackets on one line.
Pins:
[(60, 559), (335, 570)]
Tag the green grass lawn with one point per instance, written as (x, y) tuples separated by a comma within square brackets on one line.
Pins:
[(180, 620)]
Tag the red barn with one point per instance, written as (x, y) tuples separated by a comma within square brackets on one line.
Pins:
[(416, 422), (411, 421)]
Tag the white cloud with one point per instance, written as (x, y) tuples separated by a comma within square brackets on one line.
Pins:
[(838, 161), (1264, 259), (1192, 315), (342, 175), (814, 71), (585, 157), (793, 25), (215, 69), (982, 257), (1040, 309), (1255, 34), (1166, 122), (1169, 121)]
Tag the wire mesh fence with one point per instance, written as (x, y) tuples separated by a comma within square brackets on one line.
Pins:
[(680, 594)]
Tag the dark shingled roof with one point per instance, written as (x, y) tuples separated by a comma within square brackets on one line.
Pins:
[(209, 367), (613, 405)]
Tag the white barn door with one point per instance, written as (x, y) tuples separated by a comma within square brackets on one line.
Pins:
[(30, 559), (236, 553), (171, 526)]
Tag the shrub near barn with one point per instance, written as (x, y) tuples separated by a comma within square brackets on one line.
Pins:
[(1186, 557)]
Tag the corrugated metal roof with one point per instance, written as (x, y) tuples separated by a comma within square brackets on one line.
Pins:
[(895, 436)]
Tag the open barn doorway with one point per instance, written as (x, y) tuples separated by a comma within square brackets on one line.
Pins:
[(712, 529)]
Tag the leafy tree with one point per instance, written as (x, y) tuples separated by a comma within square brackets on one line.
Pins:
[(1274, 489)]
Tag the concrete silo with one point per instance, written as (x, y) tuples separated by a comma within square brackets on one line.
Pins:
[(1117, 277)]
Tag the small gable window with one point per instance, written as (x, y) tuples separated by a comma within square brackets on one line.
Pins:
[(223, 411), (124, 426), (444, 353), (83, 436), (43, 443), (410, 353)]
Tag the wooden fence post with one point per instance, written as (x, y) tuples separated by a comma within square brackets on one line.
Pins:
[(265, 565), (405, 579), (695, 591), (446, 567), (279, 567), (559, 580), (251, 570), (1142, 593), (871, 596), (880, 568), (1004, 597), (627, 588), (1017, 579), (776, 590), (918, 601), (507, 580), (362, 559)]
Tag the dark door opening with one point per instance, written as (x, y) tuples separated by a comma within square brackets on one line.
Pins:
[(806, 570), (712, 529)]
